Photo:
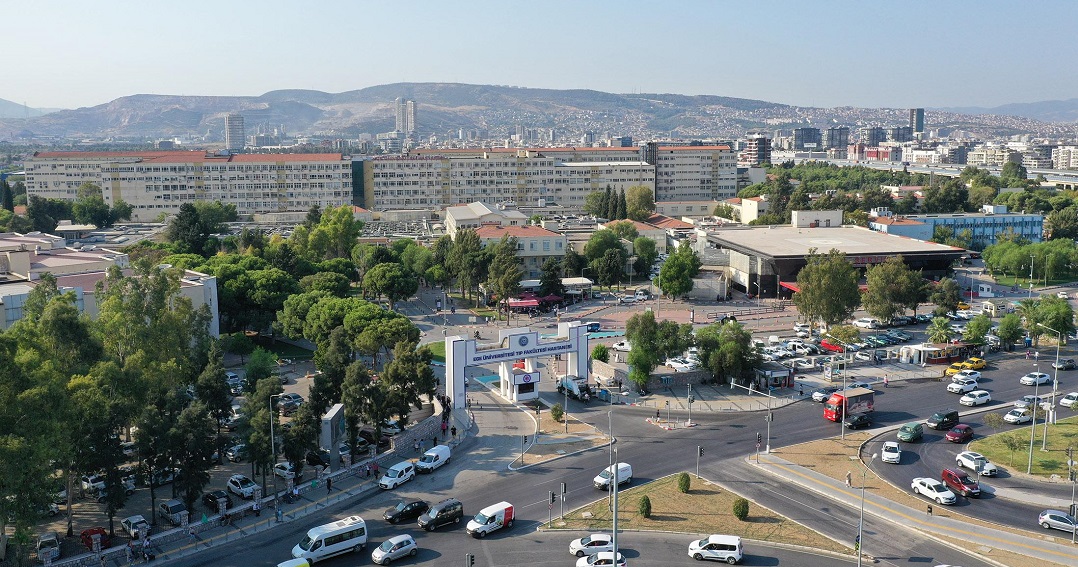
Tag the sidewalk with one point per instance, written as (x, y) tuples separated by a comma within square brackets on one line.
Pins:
[(1052, 547)]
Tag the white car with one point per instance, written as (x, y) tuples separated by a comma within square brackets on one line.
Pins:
[(1018, 416), (1062, 295), (971, 374), (394, 548), (1069, 400), (134, 526), (779, 352), (805, 363), (681, 364), (933, 490), (627, 299), (601, 558), (962, 385), (241, 486), (592, 544), (864, 385), (1035, 379), (622, 346), (863, 355), (975, 398), (865, 323), (284, 470), (891, 453), (1029, 401), (976, 462), (802, 327), (397, 475), (958, 328)]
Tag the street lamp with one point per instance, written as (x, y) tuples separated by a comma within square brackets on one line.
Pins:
[(861, 522), (1031, 257), (1033, 419), (273, 448), (1055, 383), (841, 429)]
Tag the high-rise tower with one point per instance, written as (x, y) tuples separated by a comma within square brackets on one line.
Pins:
[(917, 119), (234, 135), (405, 116)]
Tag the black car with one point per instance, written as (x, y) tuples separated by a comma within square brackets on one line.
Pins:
[(211, 498), (857, 421), (368, 436), (405, 510), (319, 458)]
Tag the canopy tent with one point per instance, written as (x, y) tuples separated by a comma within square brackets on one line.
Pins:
[(523, 303)]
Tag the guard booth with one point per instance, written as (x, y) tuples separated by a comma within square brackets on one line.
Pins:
[(515, 384)]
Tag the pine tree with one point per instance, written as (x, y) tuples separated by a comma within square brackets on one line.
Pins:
[(612, 207), (7, 199), (621, 212)]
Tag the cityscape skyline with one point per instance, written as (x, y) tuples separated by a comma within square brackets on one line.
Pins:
[(897, 56)]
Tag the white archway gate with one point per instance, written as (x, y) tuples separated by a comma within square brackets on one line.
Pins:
[(515, 384)]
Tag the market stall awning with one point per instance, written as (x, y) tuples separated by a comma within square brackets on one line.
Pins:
[(550, 298), (523, 303)]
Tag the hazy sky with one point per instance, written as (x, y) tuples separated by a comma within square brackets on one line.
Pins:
[(68, 53)]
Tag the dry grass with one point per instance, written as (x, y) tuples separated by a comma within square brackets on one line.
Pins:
[(1009, 558), (706, 509), (1045, 463), (547, 425), (578, 437)]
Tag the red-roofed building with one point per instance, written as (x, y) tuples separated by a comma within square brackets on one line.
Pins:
[(667, 223), (643, 229), (535, 244), (156, 182)]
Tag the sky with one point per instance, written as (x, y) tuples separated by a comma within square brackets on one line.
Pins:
[(913, 53)]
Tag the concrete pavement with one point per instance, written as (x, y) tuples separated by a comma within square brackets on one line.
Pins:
[(1052, 546)]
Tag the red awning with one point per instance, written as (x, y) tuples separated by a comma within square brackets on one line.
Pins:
[(550, 298), (523, 303), (792, 286)]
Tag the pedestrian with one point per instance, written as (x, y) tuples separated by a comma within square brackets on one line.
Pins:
[(929, 509), (849, 479), (257, 507), (329, 484), (295, 493), (453, 430), (444, 427), (801, 390), (374, 468), (415, 445), (280, 515), (656, 414), (130, 552), (885, 381)]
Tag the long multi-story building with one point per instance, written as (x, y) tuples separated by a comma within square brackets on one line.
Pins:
[(1065, 157), (535, 244), (160, 182), (405, 116)]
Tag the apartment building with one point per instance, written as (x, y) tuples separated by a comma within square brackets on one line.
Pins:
[(807, 139), (757, 151), (1065, 157), (695, 173), (535, 245), (992, 156), (159, 182)]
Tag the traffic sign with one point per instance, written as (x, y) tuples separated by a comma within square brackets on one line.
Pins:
[(757, 445)]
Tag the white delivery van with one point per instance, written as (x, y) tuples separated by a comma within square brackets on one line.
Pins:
[(718, 548), (491, 518), (335, 538), (435, 457), (625, 475)]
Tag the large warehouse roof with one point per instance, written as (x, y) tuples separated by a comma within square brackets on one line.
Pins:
[(794, 242)]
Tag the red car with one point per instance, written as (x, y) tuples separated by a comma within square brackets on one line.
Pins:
[(828, 346), (960, 433), (87, 537)]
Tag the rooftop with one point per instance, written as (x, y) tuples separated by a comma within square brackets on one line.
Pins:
[(529, 231), (479, 209), (187, 156), (896, 221), (667, 223), (793, 242), (639, 226)]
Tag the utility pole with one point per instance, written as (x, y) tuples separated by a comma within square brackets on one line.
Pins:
[(610, 455), (614, 541), (690, 400), (699, 453)]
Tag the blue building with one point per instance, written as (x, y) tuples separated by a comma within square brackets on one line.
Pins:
[(984, 226)]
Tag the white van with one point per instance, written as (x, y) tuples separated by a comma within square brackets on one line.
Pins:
[(435, 457), (397, 475), (717, 547), (625, 475), (342, 536), (491, 518)]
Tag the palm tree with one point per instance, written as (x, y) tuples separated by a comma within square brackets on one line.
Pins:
[(1027, 310), (939, 330)]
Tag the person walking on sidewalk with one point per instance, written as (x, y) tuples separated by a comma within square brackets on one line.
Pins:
[(445, 426), (849, 479), (329, 484), (415, 445)]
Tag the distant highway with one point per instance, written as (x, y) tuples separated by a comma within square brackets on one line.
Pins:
[(952, 170)]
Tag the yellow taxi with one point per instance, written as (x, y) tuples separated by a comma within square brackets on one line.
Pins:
[(974, 363), (955, 368), (963, 305)]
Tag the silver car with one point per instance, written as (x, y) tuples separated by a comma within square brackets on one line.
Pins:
[(1056, 519), (394, 548)]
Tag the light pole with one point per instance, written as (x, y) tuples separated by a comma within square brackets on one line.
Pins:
[(689, 400), (610, 452), (841, 429), (861, 522), (1055, 384), (273, 448), (1031, 257), (1033, 419), (614, 481)]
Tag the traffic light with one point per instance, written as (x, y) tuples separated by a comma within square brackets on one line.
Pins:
[(553, 498), (759, 437), (525, 438), (699, 451), (691, 399), (471, 559)]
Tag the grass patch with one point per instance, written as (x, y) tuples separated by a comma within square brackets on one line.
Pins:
[(438, 349), (1012, 447), (705, 509)]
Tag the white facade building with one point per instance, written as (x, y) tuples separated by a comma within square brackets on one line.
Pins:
[(534, 244), (475, 215), (159, 182)]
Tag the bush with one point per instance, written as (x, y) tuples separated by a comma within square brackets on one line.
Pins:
[(557, 412), (645, 506), (741, 509), (600, 353), (683, 483)]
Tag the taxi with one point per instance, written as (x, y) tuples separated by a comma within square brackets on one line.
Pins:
[(974, 363)]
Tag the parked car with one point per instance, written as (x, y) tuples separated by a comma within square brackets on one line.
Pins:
[(1028, 401), (397, 475), (960, 433), (171, 511), (866, 323), (1062, 295), (976, 398), (1035, 379), (933, 490), (209, 500), (241, 486), (405, 510), (864, 385), (87, 537), (236, 453), (976, 462), (368, 436), (135, 526), (621, 346), (601, 558), (627, 299), (891, 453), (1057, 520)]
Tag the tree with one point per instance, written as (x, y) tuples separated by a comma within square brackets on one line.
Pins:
[(186, 231), (332, 361), (939, 330), (1013, 442), (1063, 223), (639, 202), (550, 279), (683, 483), (600, 353), (260, 366), (408, 378), (622, 206), (332, 283), (193, 435), (503, 279), (889, 289), (946, 296), (644, 507), (611, 204), (535, 219), (624, 230), (601, 241), (335, 234), (829, 288), (46, 214), (675, 277), (741, 509), (594, 204), (557, 412), (977, 328), (573, 264), (993, 420), (214, 215), (610, 269), (314, 216), (214, 393), (1010, 330), (646, 253), (642, 332), (468, 260), (7, 198), (391, 281)]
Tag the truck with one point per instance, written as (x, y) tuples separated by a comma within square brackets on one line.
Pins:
[(576, 386), (850, 400), (491, 518)]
